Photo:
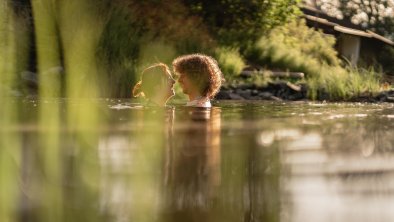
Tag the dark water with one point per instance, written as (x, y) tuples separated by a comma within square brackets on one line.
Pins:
[(239, 161)]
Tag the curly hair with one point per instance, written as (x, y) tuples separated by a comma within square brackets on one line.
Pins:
[(202, 70)]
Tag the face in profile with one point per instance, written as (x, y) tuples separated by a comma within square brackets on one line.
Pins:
[(169, 85), (156, 84), (164, 88), (199, 75), (186, 84)]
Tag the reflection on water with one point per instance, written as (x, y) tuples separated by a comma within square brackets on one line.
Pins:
[(258, 161), (192, 166)]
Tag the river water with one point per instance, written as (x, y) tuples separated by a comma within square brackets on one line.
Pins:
[(238, 161)]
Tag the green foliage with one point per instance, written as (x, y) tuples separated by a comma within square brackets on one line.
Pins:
[(295, 47), (170, 20), (135, 34), (230, 62), (344, 83), (118, 50), (236, 22), (154, 52), (262, 79), (138, 33)]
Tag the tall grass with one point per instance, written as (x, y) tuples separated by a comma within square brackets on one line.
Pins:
[(69, 42), (295, 47), (78, 38), (60, 172), (230, 61), (118, 51), (48, 54), (9, 140), (337, 83)]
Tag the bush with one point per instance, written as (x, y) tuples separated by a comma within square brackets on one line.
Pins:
[(295, 47), (138, 33), (343, 83), (230, 62), (118, 51), (236, 23)]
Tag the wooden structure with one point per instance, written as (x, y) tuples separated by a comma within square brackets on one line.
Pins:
[(272, 74), (353, 42)]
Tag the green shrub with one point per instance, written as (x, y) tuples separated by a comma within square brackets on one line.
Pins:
[(139, 33), (295, 47), (230, 62), (118, 51), (343, 83), (236, 23)]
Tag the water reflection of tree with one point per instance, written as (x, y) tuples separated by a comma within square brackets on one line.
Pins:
[(192, 172), (256, 179), (366, 136), (263, 170)]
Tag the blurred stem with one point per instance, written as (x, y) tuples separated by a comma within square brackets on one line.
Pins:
[(48, 54), (9, 140), (47, 43)]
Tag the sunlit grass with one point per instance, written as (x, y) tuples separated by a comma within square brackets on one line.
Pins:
[(80, 37), (297, 48), (64, 172), (230, 61), (340, 83), (78, 115), (10, 142), (48, 54), (69, 129)]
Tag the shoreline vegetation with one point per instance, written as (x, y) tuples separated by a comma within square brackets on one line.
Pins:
[(66, 55), (107, 44), (312, 70), (281, 90)]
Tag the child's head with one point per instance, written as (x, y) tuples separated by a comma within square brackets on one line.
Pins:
[(156, 83), (198, 72)]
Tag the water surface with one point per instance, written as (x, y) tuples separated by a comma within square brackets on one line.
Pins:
[(239, 161)]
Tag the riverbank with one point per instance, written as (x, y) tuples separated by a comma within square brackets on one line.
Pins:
[(287, 91)]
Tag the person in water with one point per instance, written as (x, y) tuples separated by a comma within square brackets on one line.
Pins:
[(156, 85), (199, 77)]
